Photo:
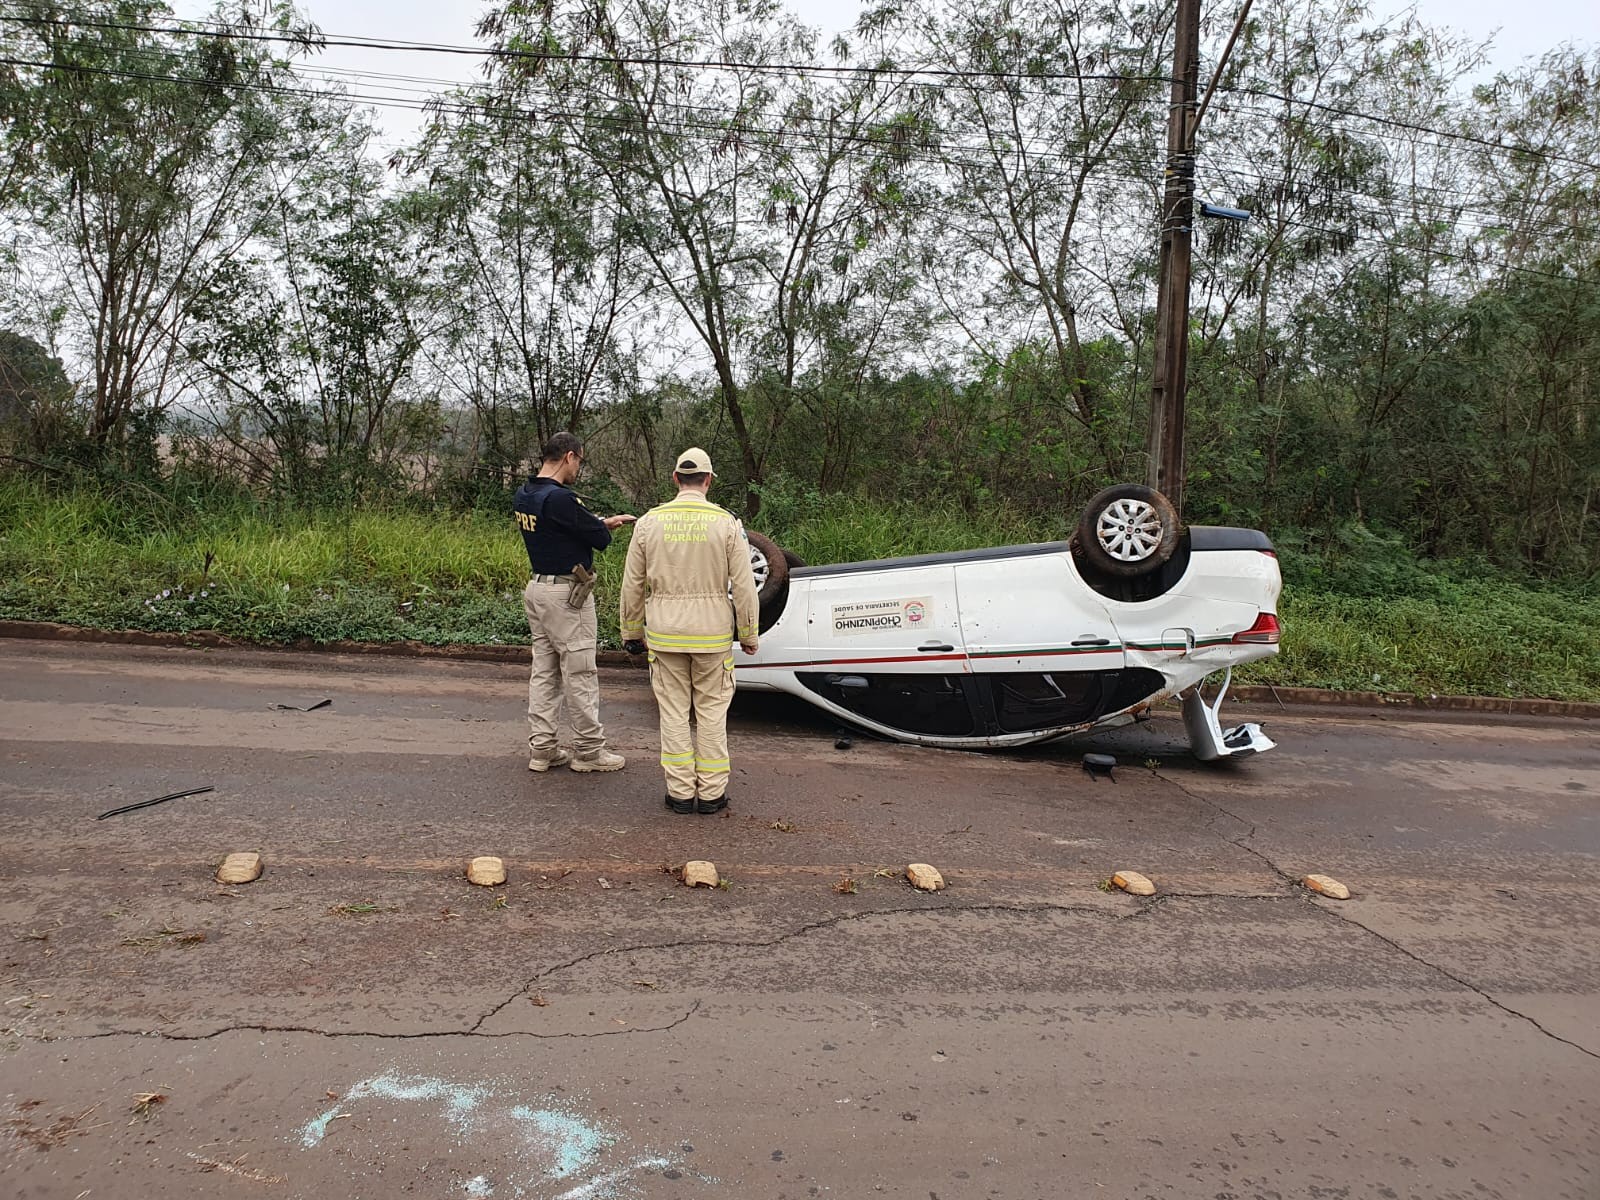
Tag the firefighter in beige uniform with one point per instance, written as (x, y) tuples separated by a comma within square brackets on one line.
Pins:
[(685, 558)]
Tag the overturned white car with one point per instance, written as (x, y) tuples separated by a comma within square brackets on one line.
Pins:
[(982, 649)]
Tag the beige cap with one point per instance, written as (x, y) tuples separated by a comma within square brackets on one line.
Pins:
[(694, 461)]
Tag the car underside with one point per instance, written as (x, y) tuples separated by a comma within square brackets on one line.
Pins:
[(1016, 645)]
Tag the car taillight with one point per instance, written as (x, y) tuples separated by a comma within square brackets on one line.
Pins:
[(1264, 632)]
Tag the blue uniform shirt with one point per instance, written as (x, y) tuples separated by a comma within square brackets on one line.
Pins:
[(559, 532)]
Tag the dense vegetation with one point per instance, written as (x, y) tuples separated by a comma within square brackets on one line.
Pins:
[(900, 285), (1359, 613)]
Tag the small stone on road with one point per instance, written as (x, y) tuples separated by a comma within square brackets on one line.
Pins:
[(1134, 883), (240, 868), (486, 871), (700, 873), (924, 878), (1328, 886)]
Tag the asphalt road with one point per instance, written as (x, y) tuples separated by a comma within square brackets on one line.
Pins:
[(361, 1022)]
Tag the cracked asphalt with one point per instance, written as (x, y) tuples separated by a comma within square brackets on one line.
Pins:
[(361, 1022)]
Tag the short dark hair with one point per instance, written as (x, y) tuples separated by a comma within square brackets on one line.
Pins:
[(692, 478), (560, 445)]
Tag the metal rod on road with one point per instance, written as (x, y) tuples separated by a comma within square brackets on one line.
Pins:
[(127, 808)]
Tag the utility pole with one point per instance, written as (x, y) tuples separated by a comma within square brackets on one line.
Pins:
[(1165, 451)]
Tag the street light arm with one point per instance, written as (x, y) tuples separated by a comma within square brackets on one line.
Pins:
[(1238, 28)]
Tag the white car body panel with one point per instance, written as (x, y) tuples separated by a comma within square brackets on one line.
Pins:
[(1023, 620), (910, 618)]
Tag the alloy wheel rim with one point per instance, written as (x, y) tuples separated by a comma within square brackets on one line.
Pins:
[(1129, 530)]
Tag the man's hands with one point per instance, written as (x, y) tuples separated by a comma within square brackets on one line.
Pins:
[(620, 519), (749, 647), (634, 648)]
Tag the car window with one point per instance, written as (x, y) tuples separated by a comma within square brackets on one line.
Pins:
[(926, 704)]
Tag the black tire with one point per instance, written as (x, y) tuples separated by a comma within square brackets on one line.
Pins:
[(793, 559), (770, 565), (1127, 531)]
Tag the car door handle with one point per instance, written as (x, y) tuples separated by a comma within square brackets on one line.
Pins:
[(1092, 641), (935, 648)]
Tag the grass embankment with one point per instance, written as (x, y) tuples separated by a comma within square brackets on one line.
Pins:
[(1359, 615)]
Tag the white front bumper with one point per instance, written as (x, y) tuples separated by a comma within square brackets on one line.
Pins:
[(1207, 738)]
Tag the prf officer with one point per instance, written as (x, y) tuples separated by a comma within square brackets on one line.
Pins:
[(687, 594), (561, 536)]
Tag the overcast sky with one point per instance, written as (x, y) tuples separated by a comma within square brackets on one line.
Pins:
[(1519, 31)]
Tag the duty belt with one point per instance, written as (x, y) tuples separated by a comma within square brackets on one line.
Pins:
[(552, 579)]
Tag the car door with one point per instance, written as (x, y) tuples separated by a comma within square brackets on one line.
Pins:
[(886, 646), (1040, 639), (907, 618)]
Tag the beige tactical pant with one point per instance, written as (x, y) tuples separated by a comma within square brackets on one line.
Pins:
[(563, 665), (703, 683)]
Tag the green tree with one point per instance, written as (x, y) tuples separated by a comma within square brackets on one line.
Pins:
[(137, 150), (35, 395)]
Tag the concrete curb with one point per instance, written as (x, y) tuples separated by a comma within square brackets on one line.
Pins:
[(205, 639), (48, 631), (1330, 697)]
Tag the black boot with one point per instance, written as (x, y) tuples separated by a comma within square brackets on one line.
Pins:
[(680, 806), (711, 806)]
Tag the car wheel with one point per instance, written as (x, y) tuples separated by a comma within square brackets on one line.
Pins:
[(1127, 531), (793, 559), (770, 567)]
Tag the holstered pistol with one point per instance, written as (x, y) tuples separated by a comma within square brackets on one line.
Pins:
[(583, 581)]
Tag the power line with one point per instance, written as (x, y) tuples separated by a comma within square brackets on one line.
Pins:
[(945, 155), (310, 41), (1029, 147), (937, 158)]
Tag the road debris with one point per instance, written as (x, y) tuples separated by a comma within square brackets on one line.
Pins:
[(127, 808), (323, 703), (846, 886), (605, 884), (46, 1137), (236, 1167), (146, 1103), (1098, 765), (242, 867), (168, 935), (700, 874), (358, 909), (924, 878), (1328, 886), (1134, 883), (486, 871)]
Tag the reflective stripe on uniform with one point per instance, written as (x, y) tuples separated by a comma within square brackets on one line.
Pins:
[(711, 764), (697, 507), (704, 643)]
